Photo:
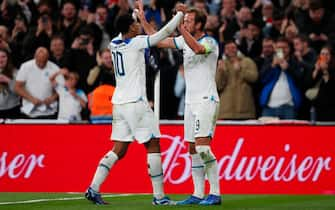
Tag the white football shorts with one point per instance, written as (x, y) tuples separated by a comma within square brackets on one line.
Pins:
[(134, 121), (200, 119)]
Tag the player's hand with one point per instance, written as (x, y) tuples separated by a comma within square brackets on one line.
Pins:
[(181, 27), (181, 7), (139, 12)]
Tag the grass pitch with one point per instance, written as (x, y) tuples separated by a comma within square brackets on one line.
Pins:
[(60, 201)]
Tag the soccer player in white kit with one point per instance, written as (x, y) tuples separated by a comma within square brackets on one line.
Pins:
[(200, 53), (132, 116)]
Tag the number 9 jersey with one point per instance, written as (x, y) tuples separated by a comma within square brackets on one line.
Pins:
[(129, 68)]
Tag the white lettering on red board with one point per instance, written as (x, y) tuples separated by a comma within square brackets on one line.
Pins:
[(20, 165), (284, 167)]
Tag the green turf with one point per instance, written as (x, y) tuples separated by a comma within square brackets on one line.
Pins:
[(143, 202)]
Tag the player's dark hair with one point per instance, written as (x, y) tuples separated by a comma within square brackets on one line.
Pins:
[(123, 23), (200, 17)]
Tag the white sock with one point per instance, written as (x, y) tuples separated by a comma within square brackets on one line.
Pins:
[(211, 168), (155, 171), (198, 175), (213, 177), (105, 164)]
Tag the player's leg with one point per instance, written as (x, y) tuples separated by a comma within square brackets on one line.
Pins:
[(147, 132), (105, 165), (123, 136), (198, 171), (211, 167), (155, 171), (205, 125), (107, 162)]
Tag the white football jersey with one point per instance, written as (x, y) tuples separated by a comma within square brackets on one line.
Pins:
[(200, 70), (129, 66)]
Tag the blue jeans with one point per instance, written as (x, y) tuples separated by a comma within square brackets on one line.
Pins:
[(284, 112)]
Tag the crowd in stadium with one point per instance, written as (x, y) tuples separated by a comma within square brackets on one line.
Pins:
[(276, 57)]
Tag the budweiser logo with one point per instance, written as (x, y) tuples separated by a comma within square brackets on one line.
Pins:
[(20, 165), (286, 166)]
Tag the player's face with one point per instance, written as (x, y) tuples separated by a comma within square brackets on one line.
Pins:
[(189, 22), (135, 28)]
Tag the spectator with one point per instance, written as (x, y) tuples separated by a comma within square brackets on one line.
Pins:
[(281, 96), (297, 11), (18, 35), (266, 56), (103, 73), (201, 5), (229, 18), (274, 29), (120, 8), (156, 13), (303, 53), (82, 57), (318, 25), (267, 52), (58, 54), (103, 25), (234, 79), (99, 104), (305, 57), (9, 101), (251, 40), (179, 91), (69, 24), (71, 100), (34, 86), (324, 74), (290, 30), (212, 26), (4, 38), (39, 36)]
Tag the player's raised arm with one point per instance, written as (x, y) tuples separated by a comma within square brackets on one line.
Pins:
[(192, 42), (197, 30), (148, 29), (160, 38)]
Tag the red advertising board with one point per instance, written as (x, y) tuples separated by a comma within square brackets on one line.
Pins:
[(252, 159)]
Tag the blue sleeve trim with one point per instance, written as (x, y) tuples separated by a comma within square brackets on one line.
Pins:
[(148, 41), (175, 43)]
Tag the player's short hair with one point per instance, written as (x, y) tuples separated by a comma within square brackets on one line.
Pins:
[(123, 23), (200, 17)]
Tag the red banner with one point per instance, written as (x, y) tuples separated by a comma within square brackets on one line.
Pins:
[(252, 159)]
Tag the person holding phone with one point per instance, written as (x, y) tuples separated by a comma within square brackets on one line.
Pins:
[(40, 36), (324, 73), (280, 77)]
